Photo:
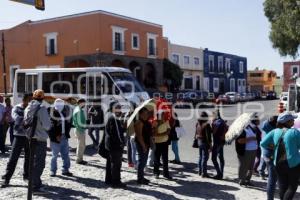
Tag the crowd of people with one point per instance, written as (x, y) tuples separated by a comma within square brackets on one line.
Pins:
[(272, 145)]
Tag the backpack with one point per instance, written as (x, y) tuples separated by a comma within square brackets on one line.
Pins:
[(30, 124), (281, 152)]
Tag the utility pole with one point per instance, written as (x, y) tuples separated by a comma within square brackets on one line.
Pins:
[(4, 64)]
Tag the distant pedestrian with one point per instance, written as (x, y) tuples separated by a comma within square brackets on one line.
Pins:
[(174, 139), (143, 134), (2, 126), (59, 135), (203, 134), (219, 129), (96, 116), (246, 147), (286, 143), (39, 139), (79, 122), (268, 158), (114, 144), (8, 121), (161, 137), (20, 142)]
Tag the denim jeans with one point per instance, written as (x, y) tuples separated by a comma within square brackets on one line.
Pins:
[(142, 161), (161, 152), (61, 148), (131, 147), (175, 149), (203, 158), (20, 143), (262, 166), (218, 151), (97, 134), (272, 179)]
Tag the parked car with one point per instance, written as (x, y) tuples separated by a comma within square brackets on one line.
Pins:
[(223, 99), (243, 97), (271, 95), (257, 95), (190, 96), (234, 97)]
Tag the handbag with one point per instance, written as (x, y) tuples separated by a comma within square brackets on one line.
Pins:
[(195, 142)]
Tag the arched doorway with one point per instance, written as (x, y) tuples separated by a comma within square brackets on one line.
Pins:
[(78, 63), (117, 63), (136, 69), (150, 76)]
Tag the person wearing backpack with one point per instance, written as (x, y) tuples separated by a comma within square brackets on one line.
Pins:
[(39, 135), (59, 135), (219, 129), (286, 143), (20, 142)]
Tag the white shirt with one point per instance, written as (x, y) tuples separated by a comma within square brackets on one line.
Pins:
[(252, 145), (63, 124)]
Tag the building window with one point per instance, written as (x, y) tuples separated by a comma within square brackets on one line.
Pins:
[(188, 83), (118, 39), (220, 64), (206, 84), (232, 85), (135, 42), (216, 84), (175, 59), (211, 63), (295, 69), (152, 50), (241, 65), (51, 43), (196, 61), (228, 65), (186, 60)]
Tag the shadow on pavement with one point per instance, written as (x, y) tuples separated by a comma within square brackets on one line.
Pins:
[(54, 192), (88, 182)]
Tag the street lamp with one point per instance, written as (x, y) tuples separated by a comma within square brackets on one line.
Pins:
[(294, 78)]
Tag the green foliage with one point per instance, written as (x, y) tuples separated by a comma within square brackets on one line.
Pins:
[(284, 16), (173, 73)]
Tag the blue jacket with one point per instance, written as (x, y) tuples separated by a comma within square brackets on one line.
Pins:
[(267, 127), (291, 141)]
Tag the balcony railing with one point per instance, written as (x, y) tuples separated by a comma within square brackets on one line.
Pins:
[(119, 46), (152, 51), (50, 51)]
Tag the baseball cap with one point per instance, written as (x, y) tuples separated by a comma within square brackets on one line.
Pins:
[(285, 117)]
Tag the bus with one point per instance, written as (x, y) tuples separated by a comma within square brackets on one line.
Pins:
[(91, 83)]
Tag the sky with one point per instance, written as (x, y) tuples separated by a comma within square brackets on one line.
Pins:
[(232, 26)]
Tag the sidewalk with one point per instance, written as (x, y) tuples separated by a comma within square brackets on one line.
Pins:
[(87, 183)]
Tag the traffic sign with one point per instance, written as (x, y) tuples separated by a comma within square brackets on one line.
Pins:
[(39, 4)]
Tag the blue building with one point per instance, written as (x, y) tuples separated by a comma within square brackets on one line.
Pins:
[(224, 72)]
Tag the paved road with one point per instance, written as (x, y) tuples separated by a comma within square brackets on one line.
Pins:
[(264, 108)]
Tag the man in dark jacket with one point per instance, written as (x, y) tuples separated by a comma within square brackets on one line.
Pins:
[(59, 135), (20, 142), (96, 121), (114, 144)]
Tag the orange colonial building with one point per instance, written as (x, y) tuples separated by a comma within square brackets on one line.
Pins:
[(96, 38), (261, 80)]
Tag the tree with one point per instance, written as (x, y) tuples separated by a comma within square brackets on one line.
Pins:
[(284, 16), (172, 72)]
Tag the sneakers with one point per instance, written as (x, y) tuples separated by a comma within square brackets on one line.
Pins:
[(52, 174), (67, 174), (177, 162), (81, 162)]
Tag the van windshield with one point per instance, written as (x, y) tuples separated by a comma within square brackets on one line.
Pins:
[(126, 82)]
